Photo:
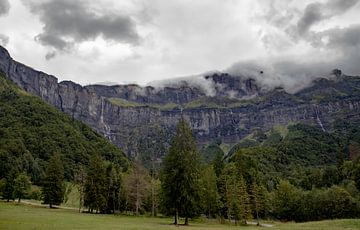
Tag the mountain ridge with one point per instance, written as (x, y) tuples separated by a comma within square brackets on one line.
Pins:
[(126, 114)]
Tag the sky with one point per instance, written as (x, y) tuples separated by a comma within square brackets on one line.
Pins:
[(141, 41)]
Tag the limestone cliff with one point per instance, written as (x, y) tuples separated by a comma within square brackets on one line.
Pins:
[(230, 110)]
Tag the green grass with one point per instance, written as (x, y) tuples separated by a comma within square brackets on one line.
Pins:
[(124, 103), (14, 216)]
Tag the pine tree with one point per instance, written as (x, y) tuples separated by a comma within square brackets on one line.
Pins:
[(95, 185), (114, 186), (180, 176), (21, 186), (53, 186)]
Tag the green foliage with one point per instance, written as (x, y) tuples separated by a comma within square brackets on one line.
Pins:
[(22, 186), (291, 203), (234, 195), (180, 175), (286, 201), (8, 185), (124, 103), (53, 183), (209, 192), (136, 185), (95, 185), (210, 152), (31, 131)]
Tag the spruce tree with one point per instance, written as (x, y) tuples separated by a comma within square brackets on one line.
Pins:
[(53, 186), (180, 175), (95, 185)]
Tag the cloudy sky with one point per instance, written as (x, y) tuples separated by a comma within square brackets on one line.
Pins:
[(145, 40)]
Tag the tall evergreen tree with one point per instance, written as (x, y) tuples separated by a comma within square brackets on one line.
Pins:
[(180, 175), (114, 186), (53, 186), (95, 185)]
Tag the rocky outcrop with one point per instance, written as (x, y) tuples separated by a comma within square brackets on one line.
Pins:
[(249, 108)]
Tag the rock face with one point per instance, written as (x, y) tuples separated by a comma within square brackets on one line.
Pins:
[(231, 109)]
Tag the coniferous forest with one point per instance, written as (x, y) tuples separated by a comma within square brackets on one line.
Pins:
[(293, 173)]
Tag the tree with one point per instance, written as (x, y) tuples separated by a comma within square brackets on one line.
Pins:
[(136, 186), (80, 179), (209, 192), (21, 186), (114, 187), (53, 186), (286, 201), (234, 194), (95, 185), (256, 199), (8, 192), (180, 175)]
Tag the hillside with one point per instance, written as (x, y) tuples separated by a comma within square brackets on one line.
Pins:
[(31, 131), (218, 106)]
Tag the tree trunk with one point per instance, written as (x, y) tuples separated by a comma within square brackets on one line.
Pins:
[(152, 198), (50, 205), (19, 199), (137, 199), (176, 217), (186, 221)]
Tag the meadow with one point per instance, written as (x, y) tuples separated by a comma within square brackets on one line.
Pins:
[(23, 216)]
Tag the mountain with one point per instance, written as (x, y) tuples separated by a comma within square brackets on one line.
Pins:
[(219, 106), (31, 131)]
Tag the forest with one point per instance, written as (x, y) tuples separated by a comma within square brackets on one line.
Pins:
[(293, 173)]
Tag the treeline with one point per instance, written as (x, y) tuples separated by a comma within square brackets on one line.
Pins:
[(234, 190)]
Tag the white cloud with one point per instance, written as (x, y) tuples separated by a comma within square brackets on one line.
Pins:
[(179, 38)]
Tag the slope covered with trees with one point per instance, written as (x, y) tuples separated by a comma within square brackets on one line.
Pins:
[(32, 131)]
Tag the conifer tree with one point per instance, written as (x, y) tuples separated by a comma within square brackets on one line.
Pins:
[(53, 186), (95, 185), (180, 176)]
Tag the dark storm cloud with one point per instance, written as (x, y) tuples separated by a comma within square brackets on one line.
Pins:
[(316, 12), (311, 15), (50, 55), (69, 22), (334, 48), (4, 7)]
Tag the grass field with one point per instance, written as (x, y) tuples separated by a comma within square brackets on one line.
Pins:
[(14, 216)]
